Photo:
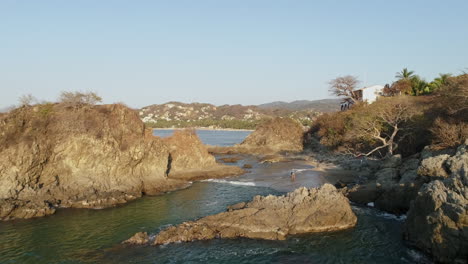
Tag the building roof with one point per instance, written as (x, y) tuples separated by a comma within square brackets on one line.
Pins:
[(373, 86)]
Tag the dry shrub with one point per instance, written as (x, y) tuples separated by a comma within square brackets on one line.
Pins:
[(367, 126), (453, 98), (52, 122), (330, 128), (448, 134), (75, 99)]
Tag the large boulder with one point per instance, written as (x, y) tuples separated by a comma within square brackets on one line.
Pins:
[(271, 217), (56, 155), (437, 221)]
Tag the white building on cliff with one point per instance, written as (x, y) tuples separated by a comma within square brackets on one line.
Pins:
[(369, 94)]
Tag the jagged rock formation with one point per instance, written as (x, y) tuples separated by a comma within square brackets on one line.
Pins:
[(273, 136), (433, 189), (271, 217), (54, 155), (437, 221)]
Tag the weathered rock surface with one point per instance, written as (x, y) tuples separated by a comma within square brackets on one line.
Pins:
[(437, 221), (53, 155), (434, 167), (270, 217)]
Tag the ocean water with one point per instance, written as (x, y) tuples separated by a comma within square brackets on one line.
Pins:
[(94, 236), (212, 137)]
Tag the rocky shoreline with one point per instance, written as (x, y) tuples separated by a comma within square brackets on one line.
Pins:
[(56, 156), (430, 187)]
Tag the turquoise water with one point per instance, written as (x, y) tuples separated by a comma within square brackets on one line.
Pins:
[(93, 236)]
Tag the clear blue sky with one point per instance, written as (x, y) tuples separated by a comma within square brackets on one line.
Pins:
[(221, 52)]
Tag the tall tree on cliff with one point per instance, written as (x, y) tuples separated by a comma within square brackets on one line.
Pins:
[(386, 124), (344, 86), (405, 74)]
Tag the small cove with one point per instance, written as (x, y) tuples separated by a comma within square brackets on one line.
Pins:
[(93, 236)]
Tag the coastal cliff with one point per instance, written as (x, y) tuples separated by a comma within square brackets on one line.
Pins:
[(84, 156)]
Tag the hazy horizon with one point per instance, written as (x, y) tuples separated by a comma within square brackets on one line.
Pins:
[(243, 52)]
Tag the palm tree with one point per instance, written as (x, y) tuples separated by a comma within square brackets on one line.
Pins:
[(405, 74), (439, 81), (443, 77)]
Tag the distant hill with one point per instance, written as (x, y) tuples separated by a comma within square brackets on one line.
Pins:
[(324, 105), (6, 109), (177, 114)]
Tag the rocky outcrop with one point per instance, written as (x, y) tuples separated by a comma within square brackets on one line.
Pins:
[(273, 136), (278, 134), (437, 221), (138, 239), (271, 217), (84, 156), (189, 159)]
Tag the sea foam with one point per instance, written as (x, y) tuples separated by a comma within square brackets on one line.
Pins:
[(231, 182)]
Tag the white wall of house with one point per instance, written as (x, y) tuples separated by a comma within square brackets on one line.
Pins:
[(371, 93)]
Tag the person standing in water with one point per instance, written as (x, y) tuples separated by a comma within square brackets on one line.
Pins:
[(293, 175)]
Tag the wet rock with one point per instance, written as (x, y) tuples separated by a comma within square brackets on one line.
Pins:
[(270, 217), (139, 238), (12, 209)]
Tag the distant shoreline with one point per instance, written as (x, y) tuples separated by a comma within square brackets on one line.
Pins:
[(204, 128)]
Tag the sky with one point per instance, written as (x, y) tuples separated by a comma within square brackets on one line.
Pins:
[(221, 52)]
